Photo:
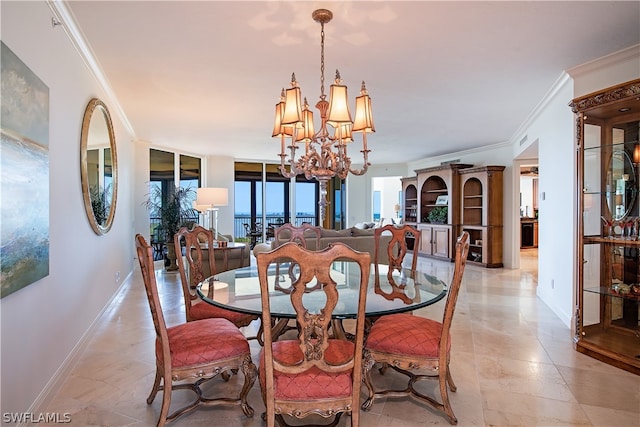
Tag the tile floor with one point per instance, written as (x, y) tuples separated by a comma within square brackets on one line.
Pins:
[(512, 360)]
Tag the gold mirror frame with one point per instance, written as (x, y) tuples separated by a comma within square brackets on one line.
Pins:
[(621, 179), (87, 140)]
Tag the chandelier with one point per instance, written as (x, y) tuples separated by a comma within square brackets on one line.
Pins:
[(325, 151)]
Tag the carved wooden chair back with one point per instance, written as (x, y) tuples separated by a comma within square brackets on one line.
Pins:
[(193, 352), (397, 248), (198, 244), (296, 234), (314, 373), (407, 343)]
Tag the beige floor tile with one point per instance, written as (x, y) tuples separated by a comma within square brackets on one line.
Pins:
[(604, 417)]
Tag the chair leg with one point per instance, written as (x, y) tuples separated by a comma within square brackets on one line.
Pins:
[(155, 388), (367, 366), (452, 385), (250, 373), (166, 403), (443, 379)]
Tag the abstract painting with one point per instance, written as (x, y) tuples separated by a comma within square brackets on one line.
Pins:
[(24, 175)]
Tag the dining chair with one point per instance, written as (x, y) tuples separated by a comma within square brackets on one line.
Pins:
[(407, 343), (194, 241), (298, 234), (192, 353), (396, 249), (313, 373)]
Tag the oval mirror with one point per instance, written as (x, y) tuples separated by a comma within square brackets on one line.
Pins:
[(621, 185), (98, 166)]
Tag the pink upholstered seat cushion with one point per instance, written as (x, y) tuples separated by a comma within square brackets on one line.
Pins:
[(203, 310), (203, 341), (313, 383), (406, 334)]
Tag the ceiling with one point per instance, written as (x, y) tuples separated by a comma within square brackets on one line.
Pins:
[(204, 76)]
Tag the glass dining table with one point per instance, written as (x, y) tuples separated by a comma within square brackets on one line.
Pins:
[(239, 290)]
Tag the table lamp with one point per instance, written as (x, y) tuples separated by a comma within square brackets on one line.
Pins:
[(211, 198)]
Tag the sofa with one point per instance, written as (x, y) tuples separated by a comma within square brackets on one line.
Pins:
[(358, 238)]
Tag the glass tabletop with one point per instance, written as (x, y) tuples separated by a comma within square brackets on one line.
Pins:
[(239, 290)]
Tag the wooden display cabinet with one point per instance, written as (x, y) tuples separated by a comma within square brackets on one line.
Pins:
[(481, 192), (608, 246), (439, 188)]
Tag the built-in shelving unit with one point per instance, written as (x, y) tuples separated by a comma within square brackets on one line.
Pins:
[(481, 202), (439, 189), (471, 198), (410, 200)]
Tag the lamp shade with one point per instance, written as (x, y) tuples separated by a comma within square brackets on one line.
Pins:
[(338, 111), (200, 208), (343, 133), (307, 131), (292, 113), (212, 197), (364, 118), (278, 129)]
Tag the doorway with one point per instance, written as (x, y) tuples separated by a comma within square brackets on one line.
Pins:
[(526, 176), (386, 199), (529, 218)]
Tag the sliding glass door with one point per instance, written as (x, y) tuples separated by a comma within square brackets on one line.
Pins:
[(264, 199)]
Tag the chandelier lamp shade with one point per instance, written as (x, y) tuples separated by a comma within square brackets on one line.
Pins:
[(325, 151)]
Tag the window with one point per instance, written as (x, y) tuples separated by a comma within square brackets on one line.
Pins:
[(167, 168), (263, 199)]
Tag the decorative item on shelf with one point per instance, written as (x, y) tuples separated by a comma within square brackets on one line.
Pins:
[(609, 225), (442, 200), (438, 215), (325, 155), (210, 199)]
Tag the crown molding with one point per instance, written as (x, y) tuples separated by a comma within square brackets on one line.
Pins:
[(66, 20), (624, 55)]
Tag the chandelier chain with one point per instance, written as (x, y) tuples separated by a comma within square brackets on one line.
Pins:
[(322, 95)]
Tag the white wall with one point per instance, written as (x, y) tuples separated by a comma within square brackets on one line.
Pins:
[(553, 129), (389, 188), (360, 190), (43, 323)]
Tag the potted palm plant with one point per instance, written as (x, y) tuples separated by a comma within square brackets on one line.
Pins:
[(174, 208)]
